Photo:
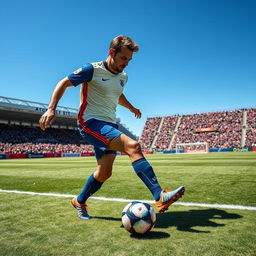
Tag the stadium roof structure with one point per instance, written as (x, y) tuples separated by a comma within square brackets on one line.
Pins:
[(18, 110), (25, 111)]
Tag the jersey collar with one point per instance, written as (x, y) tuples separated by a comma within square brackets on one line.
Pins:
[(106, 66)]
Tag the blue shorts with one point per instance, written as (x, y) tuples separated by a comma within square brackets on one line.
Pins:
[(99, 134)]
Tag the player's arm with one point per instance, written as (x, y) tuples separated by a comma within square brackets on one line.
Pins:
[(83, 74), (125, 103), (48, 117)]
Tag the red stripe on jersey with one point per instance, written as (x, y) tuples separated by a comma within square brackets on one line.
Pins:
[(83, 105)]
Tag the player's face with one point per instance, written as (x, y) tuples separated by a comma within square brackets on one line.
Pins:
[(121, 59)]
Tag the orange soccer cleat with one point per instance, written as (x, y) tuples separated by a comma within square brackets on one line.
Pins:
[(168, 197), (81, 209)]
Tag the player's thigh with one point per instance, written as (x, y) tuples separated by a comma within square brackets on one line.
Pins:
[(123, 144)]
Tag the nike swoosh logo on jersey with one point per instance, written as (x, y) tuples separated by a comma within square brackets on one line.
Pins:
[(105, 79)]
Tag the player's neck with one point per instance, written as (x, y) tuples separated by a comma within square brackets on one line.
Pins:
[(110, 66)]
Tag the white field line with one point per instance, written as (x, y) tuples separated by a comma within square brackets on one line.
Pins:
[(222, 206)]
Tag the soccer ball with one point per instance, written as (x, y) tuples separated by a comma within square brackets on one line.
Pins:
[(138, 217)]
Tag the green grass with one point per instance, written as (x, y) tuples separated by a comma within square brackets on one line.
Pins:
[(42, 225)]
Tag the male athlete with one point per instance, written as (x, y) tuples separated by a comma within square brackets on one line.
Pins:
[(102, 89)]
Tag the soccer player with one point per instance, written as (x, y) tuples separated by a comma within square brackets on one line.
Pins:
[(102, 89)]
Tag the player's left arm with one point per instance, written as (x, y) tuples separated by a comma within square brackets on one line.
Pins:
[(125, 103)]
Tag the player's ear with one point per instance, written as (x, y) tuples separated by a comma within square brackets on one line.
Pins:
[(111, 52)]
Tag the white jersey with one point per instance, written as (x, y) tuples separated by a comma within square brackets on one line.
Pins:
[(100, 91)]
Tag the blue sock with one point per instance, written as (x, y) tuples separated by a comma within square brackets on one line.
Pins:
[(146, 173), (91, 186)]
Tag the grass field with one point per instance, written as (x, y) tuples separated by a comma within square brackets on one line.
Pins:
[(48, 225)]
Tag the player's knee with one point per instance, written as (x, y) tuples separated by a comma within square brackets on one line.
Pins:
[(133, 147), (108, 174), (103, 174)]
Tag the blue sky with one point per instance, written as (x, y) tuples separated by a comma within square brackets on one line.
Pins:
[(195, 56)]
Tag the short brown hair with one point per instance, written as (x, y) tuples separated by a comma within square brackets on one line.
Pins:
[(123, 41)]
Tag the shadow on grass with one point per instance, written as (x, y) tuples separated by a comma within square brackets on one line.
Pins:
[(151, 235), (187, 220), (183, 221), (107, 218), (148, 236)]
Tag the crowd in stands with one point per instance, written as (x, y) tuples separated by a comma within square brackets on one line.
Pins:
[(149, 132), (23, 139), (164, 137), (251, 127), (225, 129), (218, 129), (43, 148), (18, 133)]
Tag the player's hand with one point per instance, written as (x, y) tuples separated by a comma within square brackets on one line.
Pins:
[(46, 119), (136, 112)]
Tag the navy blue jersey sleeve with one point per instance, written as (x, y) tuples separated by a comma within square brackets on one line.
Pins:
[(82, 75)]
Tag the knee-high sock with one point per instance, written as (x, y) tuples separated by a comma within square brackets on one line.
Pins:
[(146, 173), (91, 186)]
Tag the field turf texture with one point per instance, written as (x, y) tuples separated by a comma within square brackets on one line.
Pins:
[(48, 225)]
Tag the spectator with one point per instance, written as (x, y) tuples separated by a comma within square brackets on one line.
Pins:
[(20, 139)]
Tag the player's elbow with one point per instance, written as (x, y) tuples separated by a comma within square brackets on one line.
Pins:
[(65, 82)]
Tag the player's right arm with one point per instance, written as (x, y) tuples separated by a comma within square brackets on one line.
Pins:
[(48, 117), (83, 74)]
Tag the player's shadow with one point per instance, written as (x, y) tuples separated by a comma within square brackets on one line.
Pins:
[(151, 235), (107, 218), (187, 220)]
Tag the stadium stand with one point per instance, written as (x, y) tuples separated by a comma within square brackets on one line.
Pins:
[(21, 139), (165, 134), (149, 132), (224, 129), (218, 129), (20, 132), (251, 128)]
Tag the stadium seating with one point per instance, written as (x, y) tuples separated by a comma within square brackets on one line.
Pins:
[(251, 127), (165, 134), (226, 129), (149, 132), (218, 129), (16, 139)]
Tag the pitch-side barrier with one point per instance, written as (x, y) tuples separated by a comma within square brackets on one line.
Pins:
[(50, 155), (47, 155)]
